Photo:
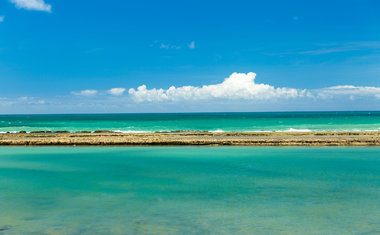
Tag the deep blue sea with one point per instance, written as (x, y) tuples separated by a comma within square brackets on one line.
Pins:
[(218, 122)]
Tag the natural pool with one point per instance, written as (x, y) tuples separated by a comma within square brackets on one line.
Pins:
[(190, 190)]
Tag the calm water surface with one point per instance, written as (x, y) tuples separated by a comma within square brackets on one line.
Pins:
[(228, 122), (190, 190)]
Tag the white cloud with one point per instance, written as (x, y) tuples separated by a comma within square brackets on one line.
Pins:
[(2, 18), (116, 91), (238, 92), (237, 86), (349, 91), (86, 92), (240, 86), (192, 45), (38, 5)]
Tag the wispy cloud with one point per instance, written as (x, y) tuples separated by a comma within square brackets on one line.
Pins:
[(85, 92), (169, 46), (192, 45), (326, 51), (117, 91), (334, 48), (21, 100), (37, 5), (173, 46), (2, 19)]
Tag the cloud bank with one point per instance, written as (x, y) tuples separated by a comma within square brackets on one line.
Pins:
[(1, 19), (237, 86), (37, 5), (239, 92), (240, 86)]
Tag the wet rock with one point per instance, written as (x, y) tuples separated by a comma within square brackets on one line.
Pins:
[(22, 132), (60, 132), (199, 138), (37, 132), (103, 131)]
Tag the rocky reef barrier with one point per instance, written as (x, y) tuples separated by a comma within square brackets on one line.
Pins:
[(110, 138)]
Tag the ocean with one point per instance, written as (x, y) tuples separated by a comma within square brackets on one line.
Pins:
[(216, 122), (190, 190)]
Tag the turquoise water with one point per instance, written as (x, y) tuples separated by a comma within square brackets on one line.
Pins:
[(190, 190), (286, 121)]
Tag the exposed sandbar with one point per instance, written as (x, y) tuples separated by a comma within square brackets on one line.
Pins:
[(195, 138)]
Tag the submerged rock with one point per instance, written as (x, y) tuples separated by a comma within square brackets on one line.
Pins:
[(4, 228)]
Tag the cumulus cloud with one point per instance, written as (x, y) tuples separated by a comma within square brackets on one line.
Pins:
[(116, 91), (85, 92), (1, 19), (239, 90), (37, 5), (240, 86), (237, 86)]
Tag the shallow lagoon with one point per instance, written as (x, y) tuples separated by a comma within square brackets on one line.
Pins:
[(190, 190)]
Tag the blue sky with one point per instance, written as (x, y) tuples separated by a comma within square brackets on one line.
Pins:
[(66, 56)]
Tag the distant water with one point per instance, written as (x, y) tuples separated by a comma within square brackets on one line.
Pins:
[(190, 190), (219, 122)]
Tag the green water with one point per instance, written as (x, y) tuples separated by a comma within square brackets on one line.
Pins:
[(190, 190), (227, 122)]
